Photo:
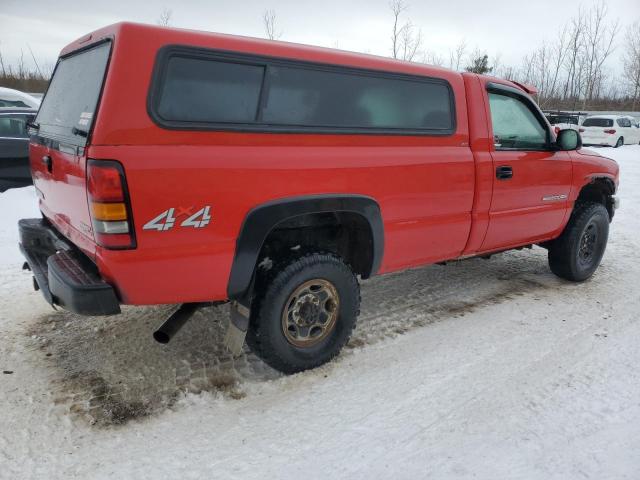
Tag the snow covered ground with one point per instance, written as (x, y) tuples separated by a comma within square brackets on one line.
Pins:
[(479, 369)]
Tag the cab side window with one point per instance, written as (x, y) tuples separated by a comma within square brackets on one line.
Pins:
[(515, 127)]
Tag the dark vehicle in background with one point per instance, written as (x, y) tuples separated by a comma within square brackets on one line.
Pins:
[(563, 120), (14, 147)]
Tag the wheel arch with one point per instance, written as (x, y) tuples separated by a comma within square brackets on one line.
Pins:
[(599, 188), (264, 219)]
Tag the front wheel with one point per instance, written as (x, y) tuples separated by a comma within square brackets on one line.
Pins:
[(577, 253), (305, 313)]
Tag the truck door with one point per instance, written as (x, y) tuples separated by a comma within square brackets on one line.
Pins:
[(532, 179)]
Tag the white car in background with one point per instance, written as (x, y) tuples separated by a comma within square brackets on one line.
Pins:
[(610, 130), (10, 98)]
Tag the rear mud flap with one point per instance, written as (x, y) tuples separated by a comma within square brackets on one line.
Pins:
[(238, 326)]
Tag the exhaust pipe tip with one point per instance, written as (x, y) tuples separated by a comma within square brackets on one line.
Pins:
[(175, 322), (161, 337)]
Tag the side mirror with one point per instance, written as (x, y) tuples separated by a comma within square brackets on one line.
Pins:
[(568, 139)]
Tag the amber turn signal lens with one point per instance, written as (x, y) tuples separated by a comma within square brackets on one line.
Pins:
[(108, 211)]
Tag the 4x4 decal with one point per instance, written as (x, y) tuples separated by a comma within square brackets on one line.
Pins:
[(167, 219)]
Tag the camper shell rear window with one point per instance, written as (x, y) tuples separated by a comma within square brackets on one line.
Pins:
[(68, 108)]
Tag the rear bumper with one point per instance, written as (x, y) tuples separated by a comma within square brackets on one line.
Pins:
[(609, 141), (63, 274)]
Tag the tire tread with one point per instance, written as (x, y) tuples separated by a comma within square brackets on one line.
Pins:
[(561, 249), (264, 301)]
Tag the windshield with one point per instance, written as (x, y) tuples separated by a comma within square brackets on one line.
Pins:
[(598, 122), (70, 102)]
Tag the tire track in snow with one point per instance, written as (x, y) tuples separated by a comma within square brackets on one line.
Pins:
[(109, 370)]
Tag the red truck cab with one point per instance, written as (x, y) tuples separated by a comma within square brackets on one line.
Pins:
[(186, 167)]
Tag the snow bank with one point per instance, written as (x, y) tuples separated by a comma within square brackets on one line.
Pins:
[(14, 204), (479, 369)]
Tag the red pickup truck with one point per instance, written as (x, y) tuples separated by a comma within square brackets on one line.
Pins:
[(183, 167)]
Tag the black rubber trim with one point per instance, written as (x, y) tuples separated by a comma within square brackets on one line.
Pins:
[(166, 52), (66, 277), (262, 219)]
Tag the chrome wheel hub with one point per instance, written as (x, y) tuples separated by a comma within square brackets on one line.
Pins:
[(310, 313)]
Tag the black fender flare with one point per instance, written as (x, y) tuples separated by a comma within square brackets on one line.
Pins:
[(261, 220)]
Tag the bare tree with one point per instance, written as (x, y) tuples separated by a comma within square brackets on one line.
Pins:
[(22, 68), (631, 63), (575, 44), (457, 54), (165, 17), (432, 58), (397, 7), (269, 20), (599, 39), (406, 40), (35, 62), (558, 54), (4, 70)]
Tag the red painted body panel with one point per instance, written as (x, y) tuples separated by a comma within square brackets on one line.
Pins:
[(63, 193), (438, 196)]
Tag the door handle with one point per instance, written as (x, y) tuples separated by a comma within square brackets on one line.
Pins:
[(46, 159), (504, 172)]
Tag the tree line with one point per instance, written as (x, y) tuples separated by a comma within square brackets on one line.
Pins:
[(571, 70)]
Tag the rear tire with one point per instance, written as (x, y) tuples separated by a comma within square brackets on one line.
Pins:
[(577, 253), (619, 143), (304, 313)]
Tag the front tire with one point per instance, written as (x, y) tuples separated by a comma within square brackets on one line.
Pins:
[(304, 313), (577, 253)]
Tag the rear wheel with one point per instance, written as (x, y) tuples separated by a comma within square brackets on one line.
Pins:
[(304, 314), (577, 253), (619, 143)]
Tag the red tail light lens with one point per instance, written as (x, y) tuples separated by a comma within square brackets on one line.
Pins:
[(109, 205), (105, 182), (610, 132), (556, 129), (581, 130)]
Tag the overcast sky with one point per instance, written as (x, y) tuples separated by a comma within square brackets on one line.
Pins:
[(507, 27)]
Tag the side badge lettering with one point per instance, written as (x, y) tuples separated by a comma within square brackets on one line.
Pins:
[(167, 219)]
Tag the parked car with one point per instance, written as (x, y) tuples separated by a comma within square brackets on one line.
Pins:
[(184, 167), (610, 130), (14, 147), (10, 98), (564, 120)]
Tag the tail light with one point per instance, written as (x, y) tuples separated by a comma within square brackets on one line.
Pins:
[(581, 130), (611, 132), (109, 205), (556, 129)]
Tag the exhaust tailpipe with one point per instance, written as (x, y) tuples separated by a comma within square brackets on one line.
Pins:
[(175, 322)]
